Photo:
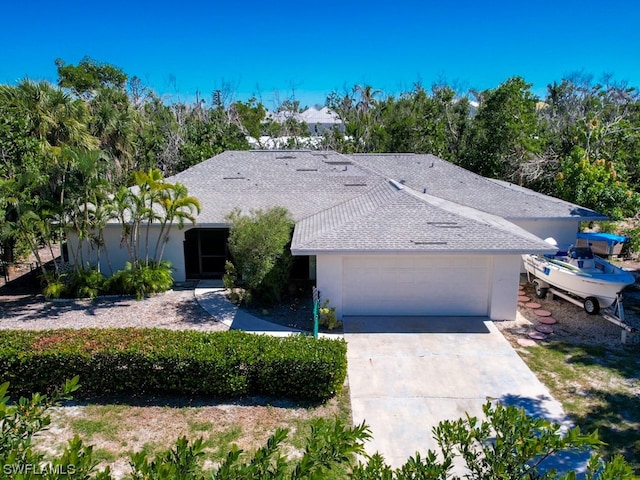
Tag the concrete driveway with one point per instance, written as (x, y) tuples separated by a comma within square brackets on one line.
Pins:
[(406, 374)]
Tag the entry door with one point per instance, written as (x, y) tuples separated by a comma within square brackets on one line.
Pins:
[(205, 252)]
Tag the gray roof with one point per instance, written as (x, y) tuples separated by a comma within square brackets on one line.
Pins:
[(392, 218), (448, 181), (304, 182), (347, 203)]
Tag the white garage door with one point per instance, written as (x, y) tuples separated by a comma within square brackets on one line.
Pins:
[(416, 285)]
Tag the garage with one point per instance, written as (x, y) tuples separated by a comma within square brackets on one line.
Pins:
[(416, 285)]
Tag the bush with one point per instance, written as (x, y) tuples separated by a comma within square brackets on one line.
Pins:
[(230, 276), (86, 283), (55, 287), (327, 316), (141, 279), (258, 244), (150, 361)]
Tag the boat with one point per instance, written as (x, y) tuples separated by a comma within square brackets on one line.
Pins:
[(602, 243), (579, 273)]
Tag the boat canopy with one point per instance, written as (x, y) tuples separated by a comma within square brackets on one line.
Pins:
[(610, 238)]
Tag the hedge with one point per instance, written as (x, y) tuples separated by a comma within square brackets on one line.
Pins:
[(155, 361)]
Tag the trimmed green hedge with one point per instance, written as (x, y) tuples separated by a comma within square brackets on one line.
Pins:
[(143, 361)]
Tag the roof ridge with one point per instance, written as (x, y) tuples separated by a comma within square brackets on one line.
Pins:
[(377, 195)]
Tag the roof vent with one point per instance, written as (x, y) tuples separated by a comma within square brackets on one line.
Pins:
[(444, 224), (234, 178), (306, 169), (424, 190), (355, 184), (285, 157), (403, 181), (339, 162), (419, 242)]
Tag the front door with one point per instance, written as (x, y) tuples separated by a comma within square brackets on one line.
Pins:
[(205, 252)]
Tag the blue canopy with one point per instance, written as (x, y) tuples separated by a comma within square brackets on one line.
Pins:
[(610, 238)]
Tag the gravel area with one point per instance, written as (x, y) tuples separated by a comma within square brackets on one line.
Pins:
[(175, 309), (574, 325)]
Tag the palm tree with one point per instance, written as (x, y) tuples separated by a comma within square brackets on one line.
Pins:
[(177, 207), (367, 98), (114, 123), (54, 117)]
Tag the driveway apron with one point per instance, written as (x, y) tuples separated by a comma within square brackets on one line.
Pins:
[(406, 374)]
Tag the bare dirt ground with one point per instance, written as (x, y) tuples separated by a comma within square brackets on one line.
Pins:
[(574, 324)]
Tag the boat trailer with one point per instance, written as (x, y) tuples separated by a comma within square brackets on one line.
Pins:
[(613, 314)]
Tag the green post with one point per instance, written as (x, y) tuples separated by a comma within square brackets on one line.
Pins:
[(316, 306)]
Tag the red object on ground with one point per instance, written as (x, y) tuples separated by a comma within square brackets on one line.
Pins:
[(542, 313), (522, 298), (526, 342), (548, 320), (532, 305)]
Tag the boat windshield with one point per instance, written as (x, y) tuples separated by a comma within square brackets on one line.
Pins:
[(580, 252)]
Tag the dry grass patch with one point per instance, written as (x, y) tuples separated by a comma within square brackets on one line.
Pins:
[(116, 430)]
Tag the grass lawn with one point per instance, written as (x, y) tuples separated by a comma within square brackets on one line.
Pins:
[(599, 388), (118, 429)]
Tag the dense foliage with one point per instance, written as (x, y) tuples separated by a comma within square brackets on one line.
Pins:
[(137, 361), (258, 245), (67, 149), (507, 444)]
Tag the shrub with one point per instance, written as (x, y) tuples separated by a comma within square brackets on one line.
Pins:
[(327, 316), (139, 361), (258, 244), (230, 276), (141, 279), (55, 287), (86, 283)]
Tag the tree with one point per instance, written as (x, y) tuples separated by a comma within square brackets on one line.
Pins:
[(504, 135), (89, 76), (257, 243), (152, 200), (596, 184)]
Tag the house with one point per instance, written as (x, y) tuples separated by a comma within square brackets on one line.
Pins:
[(318, 121), (393, 234)]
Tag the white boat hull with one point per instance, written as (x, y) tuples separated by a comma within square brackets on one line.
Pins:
[(601, 280)]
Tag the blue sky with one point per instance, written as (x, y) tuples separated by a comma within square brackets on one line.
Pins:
[(310, 48)]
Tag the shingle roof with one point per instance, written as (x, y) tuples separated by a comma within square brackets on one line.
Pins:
[(304, 182), (345, 202), (393, 219), (451, 182)]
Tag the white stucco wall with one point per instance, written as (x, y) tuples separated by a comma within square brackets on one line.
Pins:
[(503, 304), (118, 254), (329, 280), (563, 231)]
